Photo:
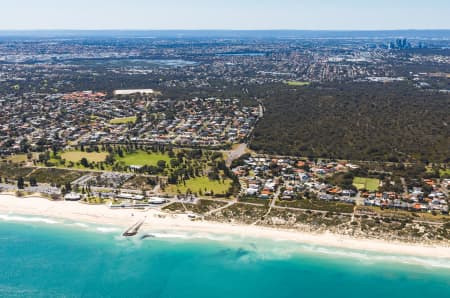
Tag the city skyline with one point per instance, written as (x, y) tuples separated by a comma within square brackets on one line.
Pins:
[(232, 15)]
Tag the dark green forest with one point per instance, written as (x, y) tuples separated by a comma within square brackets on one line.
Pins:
[(358, 121)]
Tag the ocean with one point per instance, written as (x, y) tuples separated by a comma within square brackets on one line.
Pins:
[(41, 257)]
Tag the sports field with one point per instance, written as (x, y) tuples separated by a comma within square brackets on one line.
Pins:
[(201, 184), (297, 83), (125, 120), (18, 158), (76, 156), (141, 158)]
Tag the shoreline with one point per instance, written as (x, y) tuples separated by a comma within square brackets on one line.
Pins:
[(155, 220)]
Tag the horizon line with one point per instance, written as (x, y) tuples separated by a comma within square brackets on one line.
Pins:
[(224, 29)]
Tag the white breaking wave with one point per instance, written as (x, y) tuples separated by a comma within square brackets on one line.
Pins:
[(263, 252), (16, 218), (378, 258), (171, 236), (276, 250), (267, 250), (193, 236), (80, 224), (107, 230)]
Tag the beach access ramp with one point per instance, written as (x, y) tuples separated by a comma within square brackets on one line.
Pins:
[(134, 229)]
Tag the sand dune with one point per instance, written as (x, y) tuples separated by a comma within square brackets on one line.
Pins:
[(11, 205)]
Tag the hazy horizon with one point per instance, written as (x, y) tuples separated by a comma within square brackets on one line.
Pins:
[(216, 29), (439, 34)]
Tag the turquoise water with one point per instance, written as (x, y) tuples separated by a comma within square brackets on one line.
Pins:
[(40, 258)]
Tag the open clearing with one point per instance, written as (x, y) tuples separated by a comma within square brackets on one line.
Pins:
[(141, 158), (370, 184), (296, 83), (76, 156), (123, 120), (18, 158), (201, 184)]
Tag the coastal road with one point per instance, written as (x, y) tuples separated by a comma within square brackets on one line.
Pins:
[(221, 208)]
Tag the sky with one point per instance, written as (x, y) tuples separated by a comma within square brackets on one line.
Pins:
[(226, 14)]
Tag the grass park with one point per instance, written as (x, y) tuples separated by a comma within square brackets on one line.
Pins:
[(297, 83), (138, 158), (201, 184), (18, 158), (21, 158), (371, 184), (66, 166), (125, 120), (142, 158), (76, 156)]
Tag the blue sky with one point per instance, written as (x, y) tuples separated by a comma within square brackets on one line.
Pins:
[(229, 14)]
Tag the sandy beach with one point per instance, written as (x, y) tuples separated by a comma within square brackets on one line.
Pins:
[(155, 220)]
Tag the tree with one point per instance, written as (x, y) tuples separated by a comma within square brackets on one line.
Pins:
[(120, 152), (20, 183), (213, 175), (174, 163), (24, 146), (33, 181), (44, 157), (161, 164), (173, 179), (55, 150), (109, 159), (84, 162), (68, 187)]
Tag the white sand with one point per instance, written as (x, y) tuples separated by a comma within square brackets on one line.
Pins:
[(156, 220)]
